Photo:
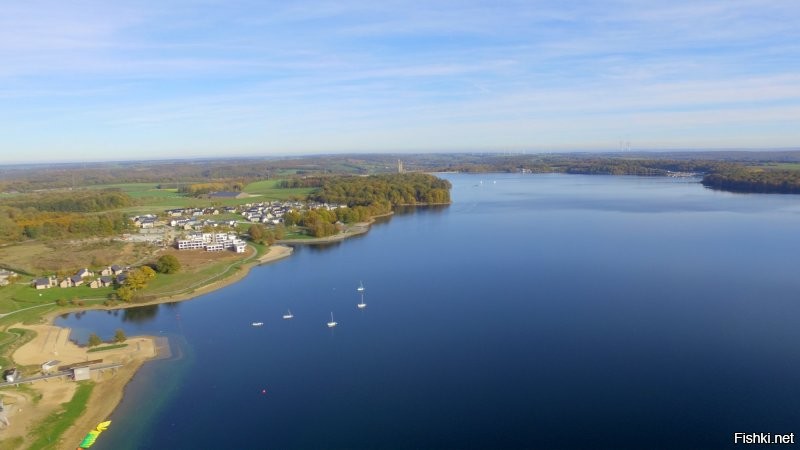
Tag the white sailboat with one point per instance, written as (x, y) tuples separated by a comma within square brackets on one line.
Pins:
[(288, 314), (360, 287), (332, 323), (257, 324), (362, 305)]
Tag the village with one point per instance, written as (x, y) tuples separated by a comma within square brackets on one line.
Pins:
[(185, 229)]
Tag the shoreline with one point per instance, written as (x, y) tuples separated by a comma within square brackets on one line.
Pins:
[(108, 393), (353, 230), (35, 404)]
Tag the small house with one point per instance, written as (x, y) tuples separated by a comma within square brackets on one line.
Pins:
[(50, 365), (81, 373), (76, 280), (11, 375), (83, 273), (42, 283), (101, 282)]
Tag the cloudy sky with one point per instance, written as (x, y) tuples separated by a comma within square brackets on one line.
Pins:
[(99, 80)]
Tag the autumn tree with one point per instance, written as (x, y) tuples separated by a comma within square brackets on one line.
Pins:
[(94, 340), (256, 232)]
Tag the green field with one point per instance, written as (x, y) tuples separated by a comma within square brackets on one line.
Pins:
[(22, 295), (780, 166), (268, 190), (151, 200), (57, 423)]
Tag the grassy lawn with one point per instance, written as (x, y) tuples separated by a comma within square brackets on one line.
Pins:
[(186, 281), (139, 190), (268, 191), (780, 166), (297, 233), (10, 340), (49, 431), (19, 296), (152, 200)]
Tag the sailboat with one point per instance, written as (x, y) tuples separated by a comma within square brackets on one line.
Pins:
[(288, 314), (332, 323), (360, 287), (362, 305)]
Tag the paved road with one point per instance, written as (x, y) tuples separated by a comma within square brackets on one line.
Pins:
[(56, 375)]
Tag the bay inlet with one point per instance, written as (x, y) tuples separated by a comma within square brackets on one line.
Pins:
[(536, 311)]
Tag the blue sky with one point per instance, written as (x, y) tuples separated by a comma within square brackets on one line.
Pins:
[(109, 80)]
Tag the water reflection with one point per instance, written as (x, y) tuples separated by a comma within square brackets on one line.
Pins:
[(140, 314)]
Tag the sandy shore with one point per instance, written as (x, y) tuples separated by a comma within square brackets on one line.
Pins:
[(275, 253), (23, 409), (350, 231), (52, 343)]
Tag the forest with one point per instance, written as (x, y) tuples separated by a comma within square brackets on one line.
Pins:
[(397, 189), (756, 180), (62, 214), (367, 197), (195, 177)]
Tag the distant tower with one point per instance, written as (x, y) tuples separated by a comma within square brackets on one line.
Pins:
[(400, 166)]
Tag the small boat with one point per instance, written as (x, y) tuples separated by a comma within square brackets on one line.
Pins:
[(258, 324), (362, 305), (360, 287), (332, 323), (288, 314)]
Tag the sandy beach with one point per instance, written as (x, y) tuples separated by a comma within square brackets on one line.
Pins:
[(27, 407), (350, 231), (52, 343), (24, 411)]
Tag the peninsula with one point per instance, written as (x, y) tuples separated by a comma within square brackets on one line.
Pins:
[(128, 251)]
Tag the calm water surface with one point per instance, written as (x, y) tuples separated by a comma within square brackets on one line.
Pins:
[(546, 311)]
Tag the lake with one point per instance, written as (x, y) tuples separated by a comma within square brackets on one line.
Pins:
[(536, 311)]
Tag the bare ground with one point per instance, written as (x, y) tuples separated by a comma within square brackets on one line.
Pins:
[(25, 411)]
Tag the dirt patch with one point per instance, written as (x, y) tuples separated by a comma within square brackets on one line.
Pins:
[(195, 260), (33, 402), (64, 258), (26, 407)]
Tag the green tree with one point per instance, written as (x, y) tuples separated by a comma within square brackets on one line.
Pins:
[(119, 336), (94, 340), (168, 264)]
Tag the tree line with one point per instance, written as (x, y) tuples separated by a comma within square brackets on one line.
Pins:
[(304, 182), (18, 225), (365, 198), (753, 179), (197, 189), (81, 201), (396, 189), (64, 214)]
